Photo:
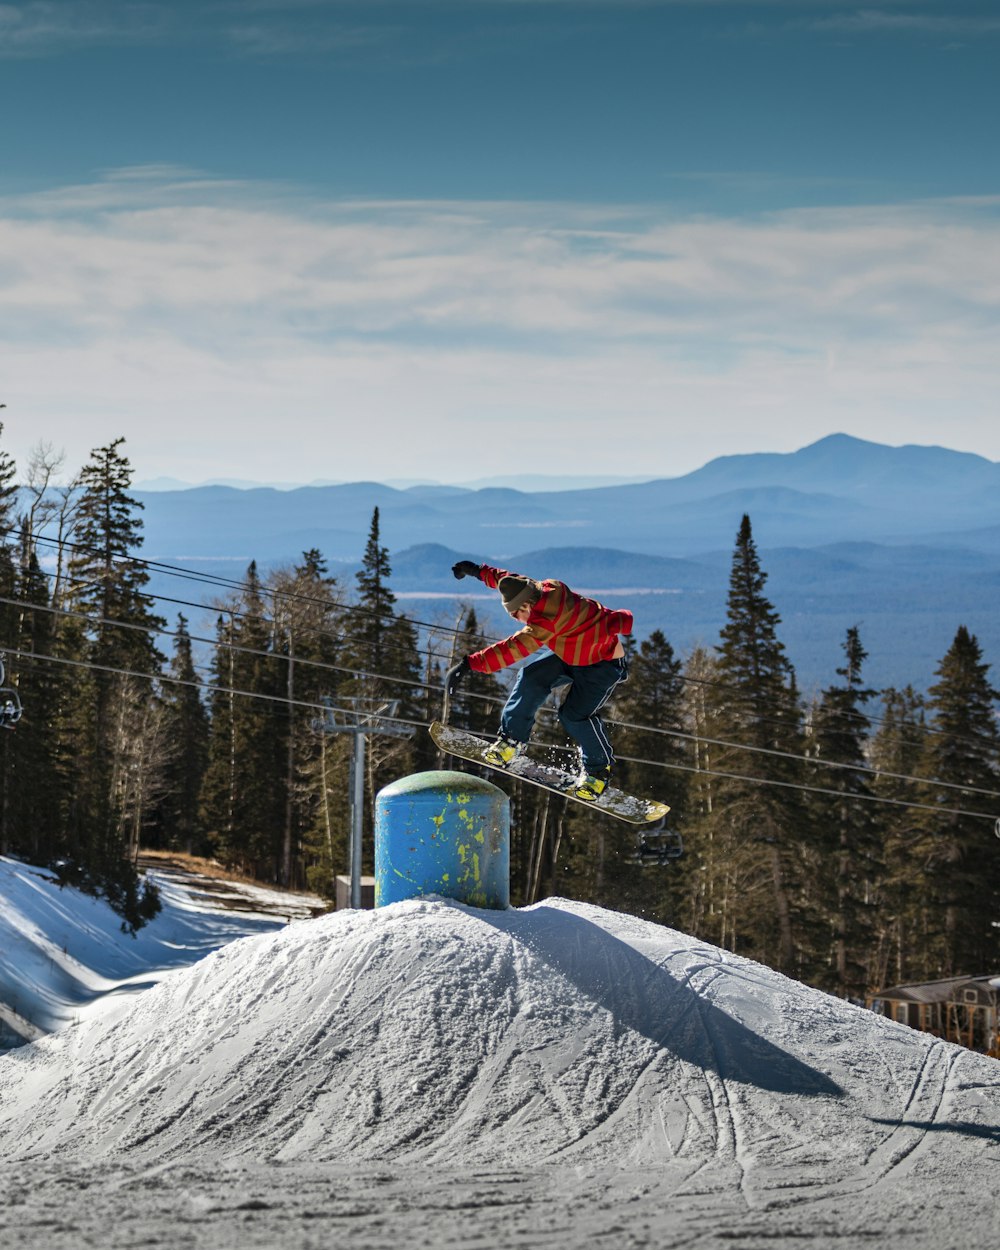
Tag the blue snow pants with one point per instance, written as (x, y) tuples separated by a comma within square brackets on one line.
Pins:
[(591, 687)]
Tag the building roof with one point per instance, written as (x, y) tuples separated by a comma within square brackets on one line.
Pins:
[(939, 991)]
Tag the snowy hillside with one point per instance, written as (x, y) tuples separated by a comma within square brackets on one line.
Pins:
[(63, 955), (607, 1077)]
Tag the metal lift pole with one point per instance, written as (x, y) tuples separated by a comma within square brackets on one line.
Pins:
[(357, 817), (367, 716)]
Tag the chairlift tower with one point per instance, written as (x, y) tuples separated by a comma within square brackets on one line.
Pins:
[(360, 717)]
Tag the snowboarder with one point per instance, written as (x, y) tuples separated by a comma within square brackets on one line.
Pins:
[(586, 654)]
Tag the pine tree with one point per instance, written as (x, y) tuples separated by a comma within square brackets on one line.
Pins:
[(308, 616), (30, 824), (653, 696), (650, 740), (703, 888), (369, 642), (897, 750), (757, 820), (383, 650), (842, 857), (108, 584), (243, 794), (960, 887), (186, 727), (381, 647), (217, 801), (9, 611), (34, 800), (30, 781), (112, 741), (8, 493), (9, 637)]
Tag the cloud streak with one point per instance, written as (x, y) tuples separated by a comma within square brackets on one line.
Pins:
[(168, 299), (262, 29), (879, 21), (46, 28)]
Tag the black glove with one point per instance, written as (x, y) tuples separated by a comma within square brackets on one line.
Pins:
[(455, 675), (465, 568)]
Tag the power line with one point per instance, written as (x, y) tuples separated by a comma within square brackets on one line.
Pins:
[(360, 673), (279, 593), (227, 584), (805, 759), (279, 657), (423, 724), (224, 583), (838, 794), (196, 685), (342, 669)]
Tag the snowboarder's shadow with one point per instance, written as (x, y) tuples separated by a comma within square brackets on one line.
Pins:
[(644, 996)]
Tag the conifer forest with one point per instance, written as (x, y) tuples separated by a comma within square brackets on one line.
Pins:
[(849, 840)]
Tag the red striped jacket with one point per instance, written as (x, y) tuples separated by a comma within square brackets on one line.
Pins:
[(577, 629)]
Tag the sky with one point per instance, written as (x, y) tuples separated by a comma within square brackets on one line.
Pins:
[(345, 239)]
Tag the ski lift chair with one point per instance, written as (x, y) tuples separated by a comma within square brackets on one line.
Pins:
[(10, 702), (10, 708), (657, 846)]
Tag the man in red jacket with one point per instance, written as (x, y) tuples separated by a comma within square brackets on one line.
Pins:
[(584, 652)]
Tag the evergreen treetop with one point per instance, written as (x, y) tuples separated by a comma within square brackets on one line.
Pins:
[(960, 857), (752, 659), (107, 583), (8, 491)]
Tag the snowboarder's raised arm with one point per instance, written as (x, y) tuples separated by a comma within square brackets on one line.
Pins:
[(492, 577), (486, 573), (502, 654)]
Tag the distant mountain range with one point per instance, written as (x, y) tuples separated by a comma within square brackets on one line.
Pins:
[(515, 481), (903, 541), (839, 489)]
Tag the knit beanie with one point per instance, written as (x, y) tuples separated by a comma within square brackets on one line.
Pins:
[(517, 591)]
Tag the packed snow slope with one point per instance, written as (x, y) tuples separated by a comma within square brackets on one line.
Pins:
[(427, 1033), (64, 954)]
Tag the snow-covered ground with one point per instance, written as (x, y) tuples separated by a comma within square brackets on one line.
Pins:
[(433, 1075), (64, 957)]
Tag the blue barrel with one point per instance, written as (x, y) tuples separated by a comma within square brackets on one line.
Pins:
[(442, 833)]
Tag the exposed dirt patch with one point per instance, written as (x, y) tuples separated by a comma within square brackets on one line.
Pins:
[(213, 882)]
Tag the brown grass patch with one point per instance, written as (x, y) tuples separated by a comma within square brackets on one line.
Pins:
[(202, 867)]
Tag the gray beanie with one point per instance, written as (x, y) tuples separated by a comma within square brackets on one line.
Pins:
[(517, 591)]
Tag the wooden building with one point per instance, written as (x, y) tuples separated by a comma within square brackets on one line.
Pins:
[(343, 893), (960, 1009)]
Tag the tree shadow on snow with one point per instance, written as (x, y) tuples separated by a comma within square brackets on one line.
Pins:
[(642, 996)]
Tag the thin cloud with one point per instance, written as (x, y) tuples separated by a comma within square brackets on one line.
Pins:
[(261, 40), (878, 21), (204, 309), (273, 28), (167, 249), (285, 6), (45, 28)]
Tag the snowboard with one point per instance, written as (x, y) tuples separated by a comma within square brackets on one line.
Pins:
[(613, 802)]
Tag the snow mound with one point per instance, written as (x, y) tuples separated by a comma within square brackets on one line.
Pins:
[(428, 1032)]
